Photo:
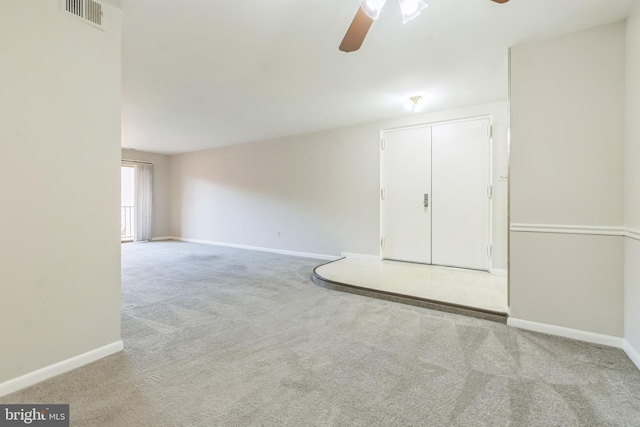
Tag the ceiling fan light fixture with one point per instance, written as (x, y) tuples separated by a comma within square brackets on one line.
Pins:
[(372, 7), (411, 8), (415, 104)]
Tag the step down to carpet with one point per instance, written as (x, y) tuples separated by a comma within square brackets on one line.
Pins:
[(410, 300)]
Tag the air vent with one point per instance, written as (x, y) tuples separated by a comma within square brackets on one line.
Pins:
[(88, 11)]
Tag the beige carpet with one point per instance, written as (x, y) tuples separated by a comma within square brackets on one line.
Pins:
[(224, 337)]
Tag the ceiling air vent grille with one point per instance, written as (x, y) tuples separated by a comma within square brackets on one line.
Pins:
[(88, 11)]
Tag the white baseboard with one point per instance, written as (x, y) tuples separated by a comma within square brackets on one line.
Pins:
[(498, 272), (161, 238), (56, 369), (256, 248), (361, 256), (560, 331), (632, 353)]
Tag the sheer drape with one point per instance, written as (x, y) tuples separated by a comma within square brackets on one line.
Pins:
[(143, 202)]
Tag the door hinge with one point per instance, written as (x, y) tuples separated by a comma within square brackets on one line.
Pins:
[(490, 131), (382, 193), (382, 143), (490, 191), (382, 242)]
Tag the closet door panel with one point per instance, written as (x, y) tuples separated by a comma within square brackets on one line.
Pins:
[(461, 203), (406, 173)]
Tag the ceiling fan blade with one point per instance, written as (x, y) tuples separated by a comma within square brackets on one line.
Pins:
[(357, 32)]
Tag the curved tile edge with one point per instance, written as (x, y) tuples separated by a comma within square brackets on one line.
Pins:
[(446, 307)]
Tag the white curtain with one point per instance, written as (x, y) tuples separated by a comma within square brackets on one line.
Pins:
[(143, 202)]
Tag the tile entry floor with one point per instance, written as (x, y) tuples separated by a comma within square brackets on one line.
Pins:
[(471, 288)]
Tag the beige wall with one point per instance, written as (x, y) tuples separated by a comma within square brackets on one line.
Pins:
[(632, 183), (315, 193), (573, 281), (567, 169), (632, 294), (567, 129), (59, 172), (161, 201)]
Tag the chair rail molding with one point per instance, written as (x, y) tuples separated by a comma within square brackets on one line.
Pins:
[(604, 230), (632, 233)]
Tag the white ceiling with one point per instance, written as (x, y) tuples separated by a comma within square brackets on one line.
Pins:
[(201, 73)]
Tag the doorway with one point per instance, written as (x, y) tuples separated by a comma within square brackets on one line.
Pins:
[(436, 194), (136, 205), (127, 202)]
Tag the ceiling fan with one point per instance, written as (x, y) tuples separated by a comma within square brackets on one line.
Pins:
[(369, 12)]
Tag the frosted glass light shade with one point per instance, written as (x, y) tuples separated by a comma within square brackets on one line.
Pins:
[(410, 9), (415, 104), (372, 7)]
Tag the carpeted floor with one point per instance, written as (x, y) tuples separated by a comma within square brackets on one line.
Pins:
[(223, 337)]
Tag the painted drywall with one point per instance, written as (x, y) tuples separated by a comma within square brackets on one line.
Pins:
[(315, 193), (632, 294), (59, 172), (632, 182), (116, 3), (567, 168), (572, 281), (567, 118), (161, 224), (304, 194)]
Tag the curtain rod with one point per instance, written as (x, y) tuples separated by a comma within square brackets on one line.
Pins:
[(136, 161)]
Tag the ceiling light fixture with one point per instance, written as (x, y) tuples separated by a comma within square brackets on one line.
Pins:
[(409, 8), (415, 104), (372, 7), (369, 11)]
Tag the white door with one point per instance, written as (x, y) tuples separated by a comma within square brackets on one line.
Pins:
[(461, 203), (406, 222)]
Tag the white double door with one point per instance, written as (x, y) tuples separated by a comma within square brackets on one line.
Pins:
[(436, 194)]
